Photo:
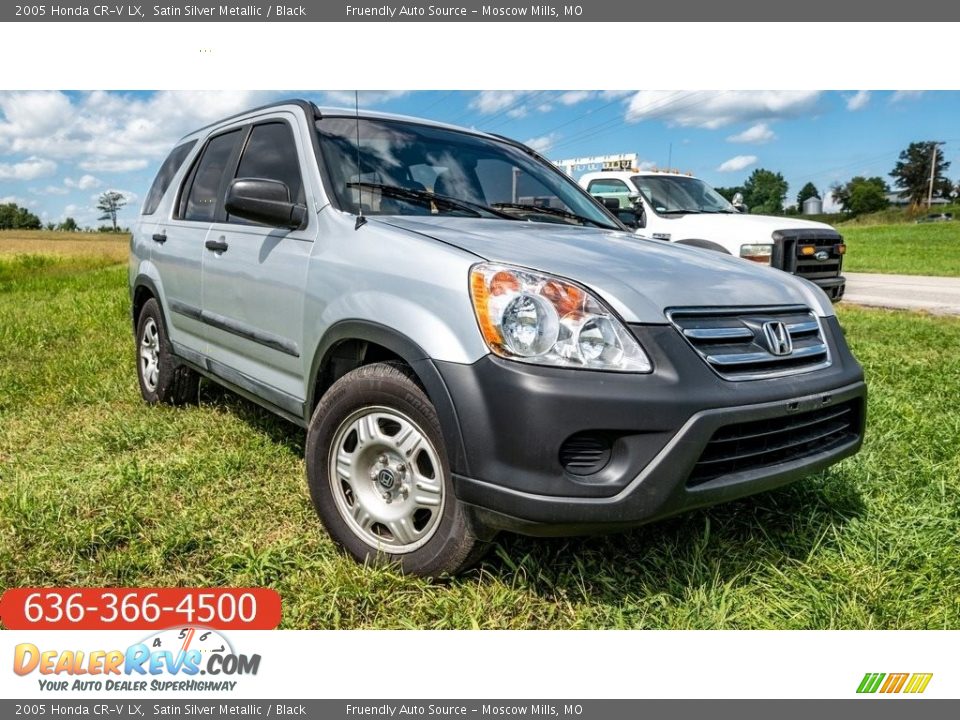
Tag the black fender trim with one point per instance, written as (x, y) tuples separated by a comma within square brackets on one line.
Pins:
[(415, 357), (142, 281), (705, 244)]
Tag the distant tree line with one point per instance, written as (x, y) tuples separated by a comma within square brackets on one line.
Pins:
[(14, 217), (765, 191)]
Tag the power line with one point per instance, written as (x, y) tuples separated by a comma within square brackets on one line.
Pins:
[(602, 127)]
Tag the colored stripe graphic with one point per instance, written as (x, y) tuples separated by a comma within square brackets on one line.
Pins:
[(894, 682), (870, 682), (918, 682)]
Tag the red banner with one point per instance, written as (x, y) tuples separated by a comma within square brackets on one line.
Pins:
[(139, 608)]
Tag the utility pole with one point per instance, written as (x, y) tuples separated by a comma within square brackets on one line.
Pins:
[(933, 172)]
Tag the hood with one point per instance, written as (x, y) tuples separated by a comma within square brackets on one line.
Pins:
[(638, 278), (731, 229)]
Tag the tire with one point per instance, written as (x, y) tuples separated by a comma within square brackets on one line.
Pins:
[(379, 477), (163, 379)]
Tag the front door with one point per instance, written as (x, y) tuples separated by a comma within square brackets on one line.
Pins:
[(254, 277)]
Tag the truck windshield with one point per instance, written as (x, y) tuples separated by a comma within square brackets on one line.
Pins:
[(401, 168), (680, 194)]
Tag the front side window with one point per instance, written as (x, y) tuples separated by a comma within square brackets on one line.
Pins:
[(271, 154), (200, 203), (400, 168)]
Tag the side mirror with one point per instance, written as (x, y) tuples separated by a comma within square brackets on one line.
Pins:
[(630, 218), (609, 203), (737, 203), (264, 201)]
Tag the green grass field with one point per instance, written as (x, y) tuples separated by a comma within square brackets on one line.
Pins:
[(98, 489), (908, 249)]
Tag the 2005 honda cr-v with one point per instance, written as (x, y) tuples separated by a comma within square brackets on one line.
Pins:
[(472, 342)]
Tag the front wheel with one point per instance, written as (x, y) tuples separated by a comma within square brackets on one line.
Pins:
[(379, 476)]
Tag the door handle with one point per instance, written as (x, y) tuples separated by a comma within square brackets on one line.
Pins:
[(160, 237), (218, 246)]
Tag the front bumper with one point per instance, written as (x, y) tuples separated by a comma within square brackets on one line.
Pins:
[(515, 418), (834, 287)]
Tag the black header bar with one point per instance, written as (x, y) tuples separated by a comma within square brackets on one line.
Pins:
[(362, 11)]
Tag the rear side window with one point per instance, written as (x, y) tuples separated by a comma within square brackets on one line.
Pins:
[(200, 201), (271, 154), (165, 176)]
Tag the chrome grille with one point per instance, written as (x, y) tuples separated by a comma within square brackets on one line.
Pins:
[(787, 256), (733, 343)]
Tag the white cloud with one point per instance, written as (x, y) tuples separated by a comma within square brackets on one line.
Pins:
[(737, 162), (86, 182), (7, 199), (50, 190), (614, 94), (32, 114), (29, 169), (903, 95), (110, 132), (118, 166), (858, 100), (492, 101), (543, 143), (365, 98), (572, 97), (714, 109), (755, 134)]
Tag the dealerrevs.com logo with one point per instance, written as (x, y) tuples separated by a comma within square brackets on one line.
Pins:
[(179, 659), (891, 683)]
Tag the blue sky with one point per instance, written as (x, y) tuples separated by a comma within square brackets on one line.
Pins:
[(59, 150)]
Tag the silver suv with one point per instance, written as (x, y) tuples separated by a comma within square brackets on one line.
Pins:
[(471, 341)]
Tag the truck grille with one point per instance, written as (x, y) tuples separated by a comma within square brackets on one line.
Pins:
[(764, 443), (736, 343), (787, 255)]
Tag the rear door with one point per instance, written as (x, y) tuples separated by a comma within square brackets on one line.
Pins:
[(179, 243), (253, 282)]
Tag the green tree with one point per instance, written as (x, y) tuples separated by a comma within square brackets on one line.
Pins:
[(764, 192), (14, 217), (111, 202), (861, 195), (807, 191), (69, 225), (912, 172)]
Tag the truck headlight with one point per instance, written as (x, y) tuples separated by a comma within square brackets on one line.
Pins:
[(538, 318), (757, 253)]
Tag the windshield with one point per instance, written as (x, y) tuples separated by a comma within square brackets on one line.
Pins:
[(412, 169), (678, 194)]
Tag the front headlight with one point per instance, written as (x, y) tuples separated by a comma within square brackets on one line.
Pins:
[(537, 318), (757, 253)]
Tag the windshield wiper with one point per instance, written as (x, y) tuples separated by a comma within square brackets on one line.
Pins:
[(679, 212), (422, 196), (553, 211)]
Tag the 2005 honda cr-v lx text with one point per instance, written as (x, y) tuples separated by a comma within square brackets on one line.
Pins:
[(471, 341)]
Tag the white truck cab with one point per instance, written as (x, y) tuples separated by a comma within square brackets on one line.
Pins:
[(681, 208)]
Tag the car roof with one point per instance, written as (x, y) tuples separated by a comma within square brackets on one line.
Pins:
[(316, 111), (625, 174)]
